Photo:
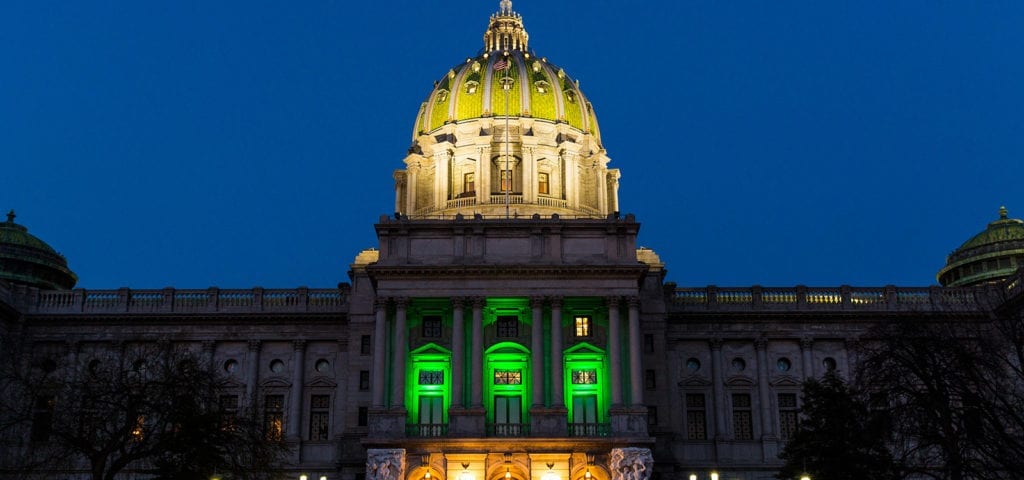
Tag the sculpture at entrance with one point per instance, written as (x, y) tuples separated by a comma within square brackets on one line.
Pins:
[(385, 464), (631, 464)]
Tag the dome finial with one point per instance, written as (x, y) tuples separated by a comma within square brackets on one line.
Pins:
[(1003, 214), (10, 216), (506, 7), (505, 31)]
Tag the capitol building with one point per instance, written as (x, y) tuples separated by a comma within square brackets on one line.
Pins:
[(507, 325)]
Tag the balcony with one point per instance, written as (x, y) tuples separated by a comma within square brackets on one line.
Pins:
[(426, 430), (508, 430), (590, 429)]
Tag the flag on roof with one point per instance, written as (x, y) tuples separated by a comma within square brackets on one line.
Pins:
[(501, 64)]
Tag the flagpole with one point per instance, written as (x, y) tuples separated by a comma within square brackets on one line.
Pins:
[(508, 134)]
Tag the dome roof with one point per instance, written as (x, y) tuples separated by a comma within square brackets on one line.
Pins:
[(992, 254), (506, 78), (26, 259)]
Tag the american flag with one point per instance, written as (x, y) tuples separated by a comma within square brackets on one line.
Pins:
[(501, 64)]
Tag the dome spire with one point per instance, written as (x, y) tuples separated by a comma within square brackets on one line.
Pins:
[(1003, 213), (505, 31)]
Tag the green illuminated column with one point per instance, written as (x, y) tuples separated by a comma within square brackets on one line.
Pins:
[(458, 351), (378, 352), (637, 397), (537, 350), (398, 362), (615, 349), (557, 395), (476, 379)]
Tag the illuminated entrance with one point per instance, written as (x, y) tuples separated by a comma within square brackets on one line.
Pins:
[(587, 389), (429, 391), (507, 380)]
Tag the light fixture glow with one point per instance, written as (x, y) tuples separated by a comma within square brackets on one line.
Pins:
[(427, 475), (508, 473), (323, 477), (693, 476), (587, 475), (805, 477), (466, 474), (303, 477), (550, 475), (714, 475)]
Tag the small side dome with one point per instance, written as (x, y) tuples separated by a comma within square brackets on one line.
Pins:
[(27, 260), (992, 255)]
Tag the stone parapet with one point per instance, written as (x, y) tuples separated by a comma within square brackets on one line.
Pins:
[(827, 299)]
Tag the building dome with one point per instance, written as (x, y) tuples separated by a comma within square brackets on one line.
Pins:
[(506, 131), (991, 255), (26, 259)]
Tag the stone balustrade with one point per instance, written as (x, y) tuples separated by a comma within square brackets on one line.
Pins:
[(174, 301), (799, 298)]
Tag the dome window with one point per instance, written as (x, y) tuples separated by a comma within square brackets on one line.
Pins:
[(536, 66), (507, 82), (471, 86), (442, 96), (542, 86), (475, 67), (570, 96)]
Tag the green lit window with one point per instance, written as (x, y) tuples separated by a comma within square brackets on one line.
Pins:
[(431, 377), (508, 326), (508, 415), (584, 416), (431, 421), (508, 377), (584, 377), (583, 326)]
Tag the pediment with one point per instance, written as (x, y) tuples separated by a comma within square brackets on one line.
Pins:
[(694, 381), (737, 381), (322, 381), (275, 382), (786, 381)]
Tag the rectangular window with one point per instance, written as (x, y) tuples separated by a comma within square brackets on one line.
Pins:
[(648, 343), (542, 183), (583, 326), (650, 382), (229, 409), (506, 180), (431, 416), (319, 416), (432, 326), (469, 182), (696, 417), (431, 377), (508, 416), (273, 417), (42, 418), (363, 416), (652, 415), (508, 377), (584, 416), (584, 377), (364, 345), (364, 380), (742, 417), (508, 326), (787, 415)]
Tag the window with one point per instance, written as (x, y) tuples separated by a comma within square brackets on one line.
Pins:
[(583, 326), (652, 415), (319, 416), (363, 417), (228, 408), (508, 413), (783, 364), (542, 183), (692, 364), (469, 182), (508, 377), (273, 417), (650, 382), (431, 416), (696, 417), (364, 345), (506, 180), (42, 418), (364, 380), (829, 363), (787, 415), (648, 343), (742, 419), (431, 377), (432, 326), (584, 416), (322, 366), (508, 326), (584, 377)]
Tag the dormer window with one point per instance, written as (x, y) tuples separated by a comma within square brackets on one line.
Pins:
[(442, 96), (471, 86), (542, 86)]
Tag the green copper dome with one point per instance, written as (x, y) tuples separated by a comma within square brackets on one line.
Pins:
[(991, 255), (26, 259), (506, 79)]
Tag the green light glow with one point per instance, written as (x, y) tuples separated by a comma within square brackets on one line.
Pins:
[(424, 384)]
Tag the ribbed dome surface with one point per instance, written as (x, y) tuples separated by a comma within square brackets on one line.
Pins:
[(26, 259), (992, 254)]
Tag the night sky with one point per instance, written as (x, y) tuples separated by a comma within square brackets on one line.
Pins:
[(252, 143)]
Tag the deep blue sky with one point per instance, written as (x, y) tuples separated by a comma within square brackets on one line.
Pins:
[(244, 143)]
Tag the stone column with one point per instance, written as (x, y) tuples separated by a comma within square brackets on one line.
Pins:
[(483, 175), (476, 379), (718, 389), (209, 346), (458, 352), (398, 358), (253, 371), (602, 188), (613, 202), (807, 357), (537, 350), (763, 387), (635, 375), (412, 177), (379, 347), (615, 349), (295, 403), (557, 369)]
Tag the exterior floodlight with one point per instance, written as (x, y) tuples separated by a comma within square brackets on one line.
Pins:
[(714, 475)]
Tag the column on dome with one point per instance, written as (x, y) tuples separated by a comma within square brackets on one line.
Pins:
[(295, 400), (529, 176), (442, 189), (613, 190), (400, 191), (399, 354), (600, 177), (412, 174), (483, 176)]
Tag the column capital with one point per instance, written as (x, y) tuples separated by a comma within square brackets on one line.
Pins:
[(556, 302), (761, 343), (715, 343), (613, 300), (458, 302), (537, 301), (401, 302), (299, 345), (208, 345), (478, 302), (254, 345), (806, 343), (380, 303), (633, 301)]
